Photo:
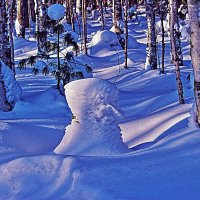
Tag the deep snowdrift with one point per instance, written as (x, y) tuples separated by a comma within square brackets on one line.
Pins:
[(94, 129), (103, 42)]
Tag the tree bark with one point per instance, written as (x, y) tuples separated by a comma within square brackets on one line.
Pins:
[(100, 4), (126, 34), (5, 55), (41, 16), (117, 17), (11, 7), (175, 50), (175, 30), (32, 10), (84, 20), (194, 18), (151, 59), (22, 16), (162, 14)]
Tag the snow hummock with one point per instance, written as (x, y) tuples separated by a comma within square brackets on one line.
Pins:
[(13, 90), (56, 11), (94, 129), (105, 36), (104, 42)]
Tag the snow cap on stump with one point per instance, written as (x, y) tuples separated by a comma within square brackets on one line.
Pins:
[(94, 129), (56, 11)]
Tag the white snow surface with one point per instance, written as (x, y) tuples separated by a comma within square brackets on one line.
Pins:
[(13, 90), (164, 158), (56, 11), (95, 119), (103, 42)]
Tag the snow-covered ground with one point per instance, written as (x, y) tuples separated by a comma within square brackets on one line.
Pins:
[(163, 159)]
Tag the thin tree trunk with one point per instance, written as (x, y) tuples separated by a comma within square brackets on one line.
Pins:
[(22, 16), (41, 16), (32, 10), (194, 18), (151, 60), (11, 6), (79, 4), (174, 50), (174, 30), (163, 40), (71, 10), (126, 34), (84, 19), (100, 4), (117, 17)]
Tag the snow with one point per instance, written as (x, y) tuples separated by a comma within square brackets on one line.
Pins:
[(103, 42), (13, 90), (56, 11), (39, 64), (185, 32), (17, 27), (105, 36), (163, 155), (24, 47), (95, 119)]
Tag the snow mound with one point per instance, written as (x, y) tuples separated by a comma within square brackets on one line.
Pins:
[(105, 36), (94, 129), (13, 90), (132, 42), (103, 42), (56, 11)]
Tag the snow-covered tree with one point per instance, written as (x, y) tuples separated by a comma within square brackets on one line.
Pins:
[(9, 90), (194, 17)]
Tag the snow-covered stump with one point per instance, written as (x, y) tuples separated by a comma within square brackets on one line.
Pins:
[(94, 129)]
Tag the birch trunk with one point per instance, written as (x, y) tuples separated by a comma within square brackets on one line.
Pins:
[(41, 16), (162, 14), (194, 18), (117, 16), (84, 20), (151, 59), (175, 48), (100, 4), (126, 34), (79, 6), (175, 30)]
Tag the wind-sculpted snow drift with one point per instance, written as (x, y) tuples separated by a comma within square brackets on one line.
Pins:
[(94, 129)]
